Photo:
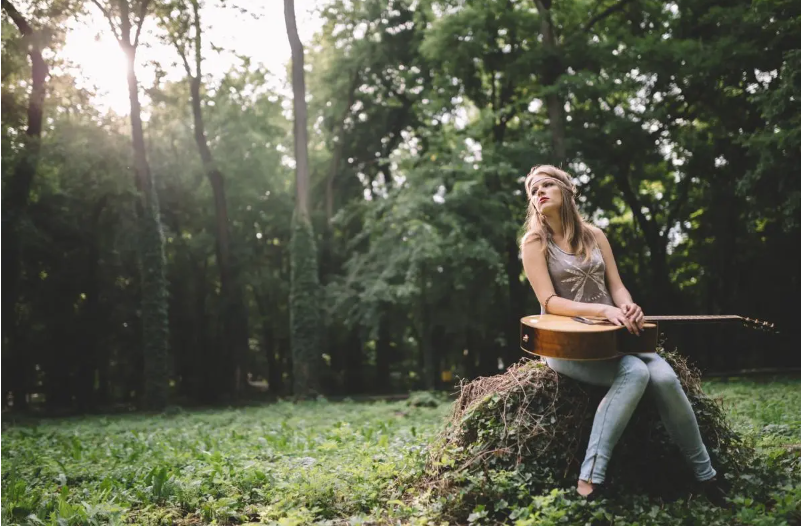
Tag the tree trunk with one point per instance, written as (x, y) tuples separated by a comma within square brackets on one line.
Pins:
[(205, 376), (299, 113), (15, 207), (664, 292), (353, 364), (89, 359), (274, 370), (428, 363), (305, 310), (469, 360), (269, 343), (550, 74), (382, 375), (61, 346), (441, 348), (516, 302), (152, 254), (235, 317), (305, 315)]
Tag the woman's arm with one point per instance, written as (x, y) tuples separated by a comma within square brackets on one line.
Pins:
[(539, 278), (619, 294)]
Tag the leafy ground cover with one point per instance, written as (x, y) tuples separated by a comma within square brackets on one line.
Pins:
[(340, 463), (768, 410)]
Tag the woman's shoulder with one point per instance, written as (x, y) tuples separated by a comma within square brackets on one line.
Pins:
[(596, 231), (532, 241), (601, 240)]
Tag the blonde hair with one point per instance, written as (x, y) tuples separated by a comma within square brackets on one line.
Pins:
[(577, 232)]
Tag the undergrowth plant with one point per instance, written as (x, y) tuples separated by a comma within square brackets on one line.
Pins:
[(362, 463)]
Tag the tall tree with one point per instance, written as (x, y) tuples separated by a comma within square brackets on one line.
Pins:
[(182, 21), (151, 243), (551, 71), (305, 310), (17, 199)]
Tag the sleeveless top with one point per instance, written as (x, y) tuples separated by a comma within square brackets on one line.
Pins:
[(575, 279)]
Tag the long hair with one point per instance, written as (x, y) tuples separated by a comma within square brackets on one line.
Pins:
[(576, 231)]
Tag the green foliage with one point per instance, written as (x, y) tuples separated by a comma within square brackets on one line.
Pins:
[(426, 399), (287, 461), (764, 408), (520, 435), (777, 144), (312, 462), (305, 309), (532, 425), (154, 307)]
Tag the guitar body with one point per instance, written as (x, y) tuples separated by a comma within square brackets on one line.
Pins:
[(566, 338)]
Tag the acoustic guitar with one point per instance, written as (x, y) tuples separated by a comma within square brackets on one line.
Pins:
[(580, 338)]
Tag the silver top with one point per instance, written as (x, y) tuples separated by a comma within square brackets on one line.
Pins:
[(575, 279)]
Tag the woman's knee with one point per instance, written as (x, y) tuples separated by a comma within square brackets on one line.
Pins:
[(635, 368), (664, 379)]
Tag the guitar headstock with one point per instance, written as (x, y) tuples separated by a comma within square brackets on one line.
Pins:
[(760, 325)]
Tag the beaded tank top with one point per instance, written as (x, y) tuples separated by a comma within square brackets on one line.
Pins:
[(575, 279)]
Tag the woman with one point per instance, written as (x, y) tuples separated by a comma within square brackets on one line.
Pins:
[(571, 268)]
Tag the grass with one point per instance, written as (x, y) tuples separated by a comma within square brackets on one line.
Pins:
[(768, 409), (329, 463)]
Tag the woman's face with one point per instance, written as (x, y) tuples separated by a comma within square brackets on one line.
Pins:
[(546, 195)]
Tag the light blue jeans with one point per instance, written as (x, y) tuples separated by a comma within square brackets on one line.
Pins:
[(629, 376)]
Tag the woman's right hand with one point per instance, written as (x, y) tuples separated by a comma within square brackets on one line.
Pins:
[(618, 317)]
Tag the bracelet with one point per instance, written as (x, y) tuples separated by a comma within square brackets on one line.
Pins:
[(548, 301)]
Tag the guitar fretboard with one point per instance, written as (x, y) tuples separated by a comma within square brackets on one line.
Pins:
[(756, 324), (693, 318)]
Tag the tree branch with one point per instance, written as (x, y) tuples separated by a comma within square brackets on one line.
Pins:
[(619, 6), (39, 70), (143, 12), (338, 147), (179, 49), (648, 226), (183, 56), (197, 23), (18, 19), (682, 198), (109, 18)]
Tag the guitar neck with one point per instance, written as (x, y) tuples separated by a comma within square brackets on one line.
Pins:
[(697, 318), (754, 324)]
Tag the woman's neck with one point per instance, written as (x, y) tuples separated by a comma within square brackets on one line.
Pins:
[(555, 226)]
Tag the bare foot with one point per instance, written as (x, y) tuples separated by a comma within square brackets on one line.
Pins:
[(585, 488)]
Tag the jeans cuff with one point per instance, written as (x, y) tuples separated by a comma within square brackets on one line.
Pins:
[(594, 471), (706, 475)]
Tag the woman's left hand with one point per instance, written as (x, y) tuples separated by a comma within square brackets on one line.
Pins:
[(633, 312)]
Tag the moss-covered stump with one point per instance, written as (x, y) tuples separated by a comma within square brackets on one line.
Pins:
[(529, 428)]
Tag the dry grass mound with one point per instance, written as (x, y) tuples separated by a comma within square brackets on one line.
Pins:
[(530, 426)]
